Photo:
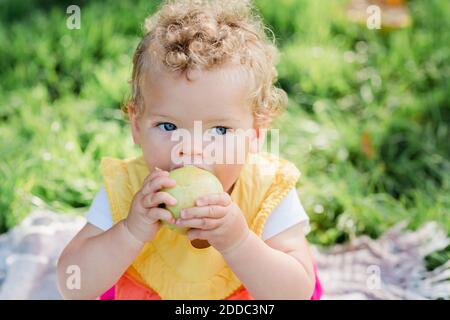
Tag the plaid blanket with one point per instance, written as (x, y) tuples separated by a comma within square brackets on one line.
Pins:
[(391, 267)]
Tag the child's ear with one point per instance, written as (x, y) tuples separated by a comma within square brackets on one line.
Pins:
[(257, 140), (135, 130)]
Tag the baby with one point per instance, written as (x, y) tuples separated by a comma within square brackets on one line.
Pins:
[(204, 71)]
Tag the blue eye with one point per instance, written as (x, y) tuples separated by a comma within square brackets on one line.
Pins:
[(221, 130), (167, 126)]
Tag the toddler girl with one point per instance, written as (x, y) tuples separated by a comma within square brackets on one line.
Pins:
[(204, 71)]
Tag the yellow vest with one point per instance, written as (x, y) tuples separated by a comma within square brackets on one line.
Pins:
[(169, 264)]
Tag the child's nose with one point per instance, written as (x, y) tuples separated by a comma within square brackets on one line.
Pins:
[(188, 151), (193, 147), (191, 154)]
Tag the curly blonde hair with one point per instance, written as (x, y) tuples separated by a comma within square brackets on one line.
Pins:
[(187, 35)]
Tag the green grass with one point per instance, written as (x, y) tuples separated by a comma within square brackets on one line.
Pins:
[(367, 123)]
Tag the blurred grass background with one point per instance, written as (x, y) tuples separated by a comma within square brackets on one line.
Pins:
[(368, 121)]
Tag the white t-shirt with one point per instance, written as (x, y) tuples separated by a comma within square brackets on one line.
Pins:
[(288, 213)]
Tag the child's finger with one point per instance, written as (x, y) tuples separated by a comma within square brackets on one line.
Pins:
[(212, 212), (156, 214), (202, 223), (221, 199), (154, 199), (194, 233), (158, 183), (155, 173)]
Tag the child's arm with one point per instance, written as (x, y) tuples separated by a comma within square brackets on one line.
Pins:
[(279, 268), (102, 257)]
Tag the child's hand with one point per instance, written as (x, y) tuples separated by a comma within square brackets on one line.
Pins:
[(218, 219), (144, 215)]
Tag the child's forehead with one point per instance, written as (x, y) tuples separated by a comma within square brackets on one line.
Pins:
[(223, 91)]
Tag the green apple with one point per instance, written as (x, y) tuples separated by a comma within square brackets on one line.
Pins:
[(191, 183)]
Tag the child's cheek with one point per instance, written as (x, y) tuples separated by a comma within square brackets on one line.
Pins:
[(157, 139), (227, 175), (156, 135), (240, 148), (231, 149)]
